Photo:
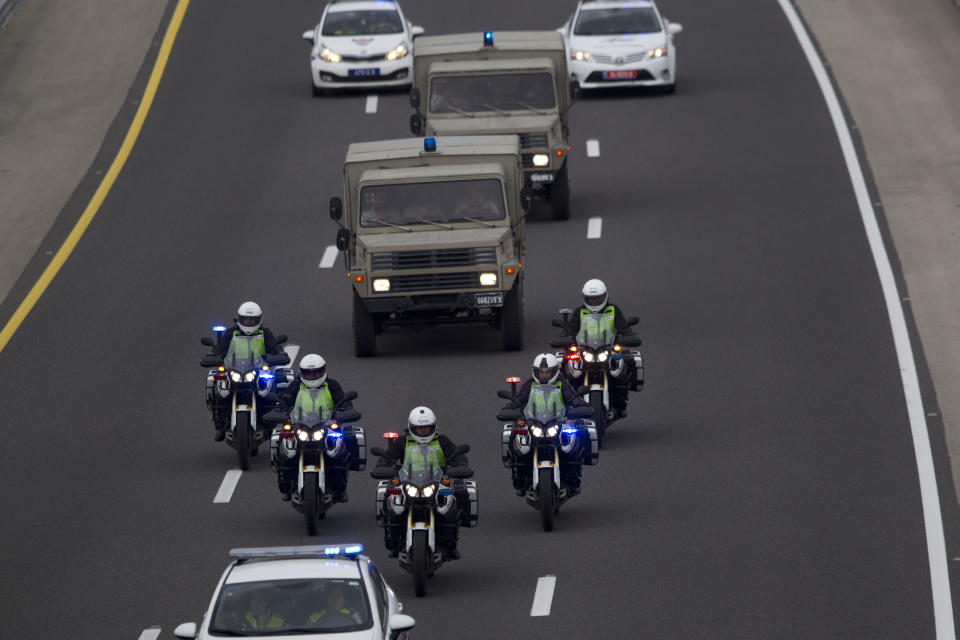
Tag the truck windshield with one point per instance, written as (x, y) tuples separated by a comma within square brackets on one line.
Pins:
[(492, 92), (608, 22), (359, 23), (425, 202)]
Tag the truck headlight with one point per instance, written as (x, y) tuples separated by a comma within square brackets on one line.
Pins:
[(329, 56), (541, 159), (488, 279), (381, 284)]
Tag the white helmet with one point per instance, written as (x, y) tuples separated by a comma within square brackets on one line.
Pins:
[(595, 295), (313, 371), (422, 425), (249, 318), (546, 368)]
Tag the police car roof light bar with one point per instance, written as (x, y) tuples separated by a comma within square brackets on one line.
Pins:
[(305, 551)]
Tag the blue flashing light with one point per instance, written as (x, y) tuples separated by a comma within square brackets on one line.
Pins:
[(331, 551), (569, 430), (334, 434), (266, 375), (429, 144), (219, 328), (488, 38), (353, 548)]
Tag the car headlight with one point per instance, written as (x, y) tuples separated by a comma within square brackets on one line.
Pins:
[(399, 52), (602, 357), (552, 430), (488, 279), (579, 56), (381, 285), (412, 491), (541, 159), (587, 355), (318, 434), (429, 490), (329, 56), (250, 376), (235, 375), (659, 52), (302, 435)]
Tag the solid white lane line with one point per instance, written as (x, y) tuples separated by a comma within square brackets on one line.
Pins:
[(593, 148), (151, 633), (543, 597), (329, 257), (594, 228), (372, 101), (227, 487), (932, 518)]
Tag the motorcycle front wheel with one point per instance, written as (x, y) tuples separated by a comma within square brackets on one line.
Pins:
[(421, 562), (242, 441), (599, 415), (545, 498), (311, 503)]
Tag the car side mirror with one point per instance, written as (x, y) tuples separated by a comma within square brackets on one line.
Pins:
[(336, 208), (574, 90), (308, 35), (415, 98), (526, 199), (206, 341), (416, 124), (400, 624), (343, 239), (186, 630), (674, 27), (416, 30)]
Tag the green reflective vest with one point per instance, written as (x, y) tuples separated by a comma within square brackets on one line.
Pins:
[(550, 400), (319, 614), (416, 460), (318, 401), (591, 329), (240, 347), (275, 621)]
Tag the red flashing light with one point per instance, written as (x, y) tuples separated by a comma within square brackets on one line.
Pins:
[(219, 376), (390, 435), (573, 356), (513, 379), (519, 432), (393, 491)]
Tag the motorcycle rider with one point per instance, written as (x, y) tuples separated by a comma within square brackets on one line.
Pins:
[(249, 322), (546, 372), (422, 430), (315, 392), (595, 302)]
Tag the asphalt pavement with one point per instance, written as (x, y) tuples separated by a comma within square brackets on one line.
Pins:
[(763, 485)]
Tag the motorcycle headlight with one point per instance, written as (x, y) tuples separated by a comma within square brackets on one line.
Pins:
[(399, 52), (587, 355), (302, 435), (429, 490), (603, 356), (318, 434), (412, 491), (579, 56), (235, 376), (536, 431), (329, 56), (250, 376), (552, 430)]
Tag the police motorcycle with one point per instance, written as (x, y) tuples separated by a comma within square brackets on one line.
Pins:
[(554, 437), (318, 442), (249, 380), (596, 354), (422, 491)]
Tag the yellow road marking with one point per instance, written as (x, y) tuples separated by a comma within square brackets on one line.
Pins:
[(108, 179)]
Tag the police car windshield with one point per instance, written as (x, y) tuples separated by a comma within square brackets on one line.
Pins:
[(243, 355), (616, 21), (360, 23), (497, 92), (284, 607), (431, 202)]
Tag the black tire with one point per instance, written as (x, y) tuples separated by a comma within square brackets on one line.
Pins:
[(545, 495), (670, 88), (364, 329), (311, 503), (421, 562), (599, 415), (511, 319), (242, 440), (560, 195), (317, 92)]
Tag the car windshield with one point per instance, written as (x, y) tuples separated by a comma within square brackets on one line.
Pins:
[(616, 21), (361, 23), (431, 202), (596, 330), (421, 466), (286, 607), (545, 404), (492, 92), (243, 355)]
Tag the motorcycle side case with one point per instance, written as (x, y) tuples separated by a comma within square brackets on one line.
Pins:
[(467, 500), (283, 377), (210, 387), (636, 384), (356, 441), (505, 454), (591, 452), (381, 496)]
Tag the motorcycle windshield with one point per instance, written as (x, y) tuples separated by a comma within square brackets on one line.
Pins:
[(545, 404), (243, 354), (306, 416), (596, 330), (421, 466)]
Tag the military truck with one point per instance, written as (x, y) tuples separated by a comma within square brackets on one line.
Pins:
[(496, 83), (433, 233)]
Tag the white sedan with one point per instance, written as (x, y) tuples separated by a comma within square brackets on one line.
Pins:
[(361, 43), (621, 44), (328, 591)]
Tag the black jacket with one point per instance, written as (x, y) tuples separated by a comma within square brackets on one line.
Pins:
[(570, 397), (224, 338), (398, 445), (288, 397), (619, 320)]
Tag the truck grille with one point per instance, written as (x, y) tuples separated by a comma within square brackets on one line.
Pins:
[(533, 139), (433, 258), (435, 281), (526, 159)]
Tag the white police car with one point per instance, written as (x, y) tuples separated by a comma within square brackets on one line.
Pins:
[(361, 43), (621, 44), (302, 592)]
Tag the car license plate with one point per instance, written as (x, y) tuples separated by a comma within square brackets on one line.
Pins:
[(489, 299), (541, 177), (619, 75), (363, 72)]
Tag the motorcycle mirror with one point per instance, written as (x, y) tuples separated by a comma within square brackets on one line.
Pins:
[(336, 208), (343, 240), (504, 394), (415, 98), (566, 314), (207, 342), (377, 451)]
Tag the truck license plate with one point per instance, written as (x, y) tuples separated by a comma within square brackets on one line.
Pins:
[(364, 72), (489, 299), (541, 177)]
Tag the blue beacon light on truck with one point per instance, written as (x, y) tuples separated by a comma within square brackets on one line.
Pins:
[(488, 38), (429, 144)]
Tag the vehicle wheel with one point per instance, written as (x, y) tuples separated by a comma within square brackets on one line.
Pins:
[(599, 415), (511, 319), (421, 562), (242, 441), (364, 329), (311, 503), (317, 91), (670, 88), (560, 195), (548, 507)]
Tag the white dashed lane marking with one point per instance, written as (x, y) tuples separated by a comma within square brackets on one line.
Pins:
[(329, 257), (543, 597), (228, 486), (151, 633), (292, 351), (372, 101), (594, 228), (593, 148)]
